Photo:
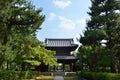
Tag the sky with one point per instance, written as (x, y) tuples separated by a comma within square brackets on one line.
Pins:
[(64, 18)]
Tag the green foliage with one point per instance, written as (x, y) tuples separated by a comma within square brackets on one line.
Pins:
[(89, 55), (92, 35), (70, 78), (18, 75), (40, 54), (103, 25), (99, 76), (19, 47)]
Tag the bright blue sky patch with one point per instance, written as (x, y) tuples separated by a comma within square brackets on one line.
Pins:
[(64, 18)]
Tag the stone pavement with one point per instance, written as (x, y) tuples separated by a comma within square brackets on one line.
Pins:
[(58, 78)]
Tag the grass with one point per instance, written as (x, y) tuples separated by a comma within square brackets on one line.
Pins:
[(45, 77)]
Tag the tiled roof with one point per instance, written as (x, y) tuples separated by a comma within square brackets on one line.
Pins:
[(59, 42)]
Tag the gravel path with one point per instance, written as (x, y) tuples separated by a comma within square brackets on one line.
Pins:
[(58, 78)]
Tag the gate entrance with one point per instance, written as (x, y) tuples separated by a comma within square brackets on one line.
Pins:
[(59, 67), (63, 48)]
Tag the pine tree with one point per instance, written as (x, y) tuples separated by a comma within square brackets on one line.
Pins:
[(103, 25), (18, 18), (19, 22)]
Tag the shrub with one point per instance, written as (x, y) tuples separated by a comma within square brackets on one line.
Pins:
[(99, 75), (18, 75)]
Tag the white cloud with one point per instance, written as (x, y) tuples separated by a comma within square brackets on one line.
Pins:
[(82, 22), (61, 4), (77, 36), (67, 24), (52, 16)]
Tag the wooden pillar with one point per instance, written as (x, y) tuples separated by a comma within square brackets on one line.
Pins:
[(74, 67), (54, 68), (47, 68), (63, 66), (71, 67)]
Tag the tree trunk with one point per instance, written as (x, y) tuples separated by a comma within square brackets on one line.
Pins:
[(112, 67), (118, 65)]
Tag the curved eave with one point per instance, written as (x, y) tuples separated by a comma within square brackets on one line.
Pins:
[(66, 57), (75, 46)]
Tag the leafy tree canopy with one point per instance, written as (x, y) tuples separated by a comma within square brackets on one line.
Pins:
[(19, 22), (104, 24)]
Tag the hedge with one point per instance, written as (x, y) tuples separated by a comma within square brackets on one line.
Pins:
[(18, 75), (99, 75)]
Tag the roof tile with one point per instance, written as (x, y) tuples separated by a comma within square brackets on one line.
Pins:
[(59, 42)]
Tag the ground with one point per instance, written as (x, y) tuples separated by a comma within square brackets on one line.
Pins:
[(42, 77)]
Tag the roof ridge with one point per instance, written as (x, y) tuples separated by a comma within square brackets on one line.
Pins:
[(59, 38)]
